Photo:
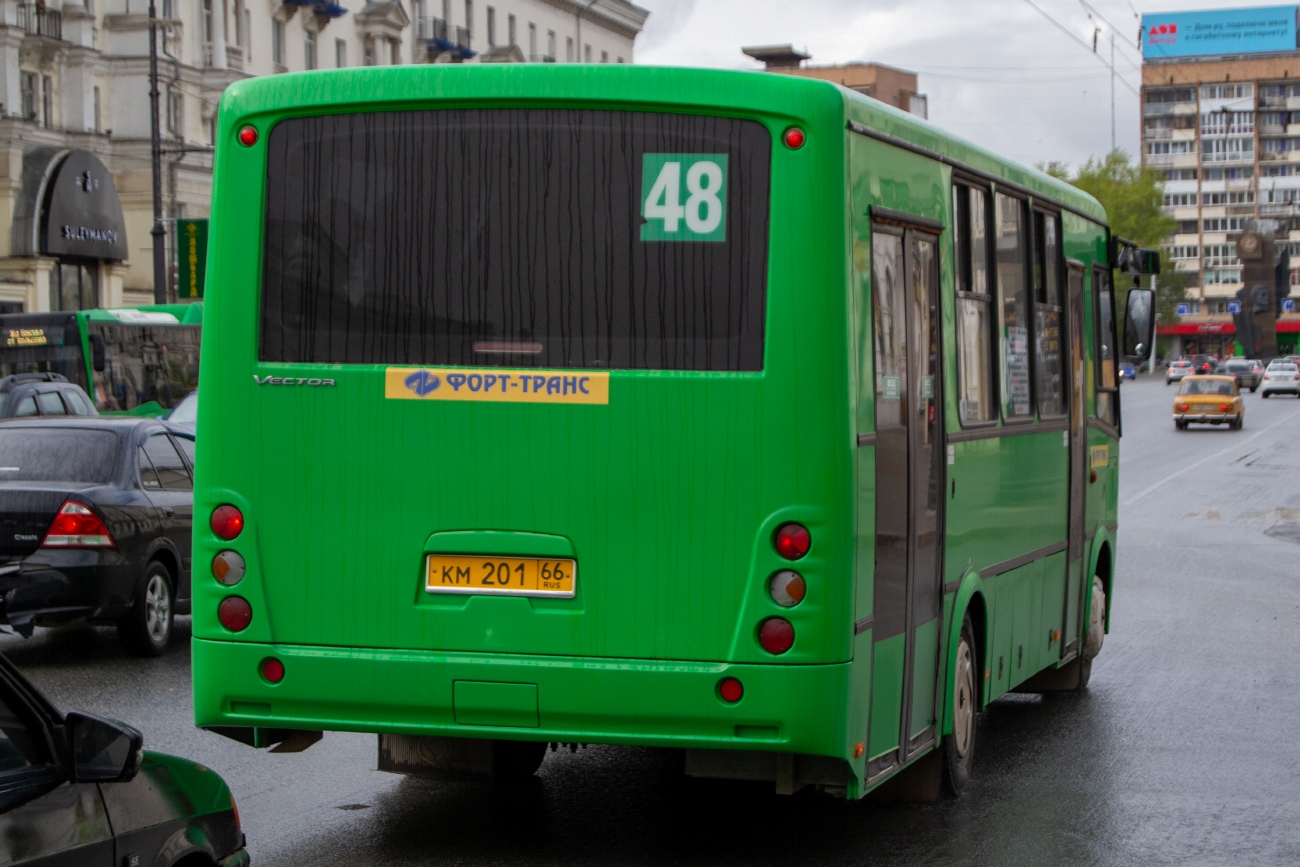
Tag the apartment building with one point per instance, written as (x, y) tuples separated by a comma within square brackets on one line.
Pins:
[(75, 167), (896, 87), (1221, 122)]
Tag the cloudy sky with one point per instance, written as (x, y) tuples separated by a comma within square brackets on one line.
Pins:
[(996, 71)]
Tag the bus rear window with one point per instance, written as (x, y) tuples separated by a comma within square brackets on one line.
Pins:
[(518, 238)]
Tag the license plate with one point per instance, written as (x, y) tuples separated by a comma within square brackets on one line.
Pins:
[(501, 576)]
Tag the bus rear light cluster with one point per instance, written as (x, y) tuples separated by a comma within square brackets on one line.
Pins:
[(227, 522), (730, 690), (77, 526), (272, 669), (228, 567), (792, 540), (787, 588), (776, 635), (235, 613)]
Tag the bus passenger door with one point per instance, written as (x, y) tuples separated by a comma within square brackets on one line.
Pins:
[(1078, 460), (909, 488)]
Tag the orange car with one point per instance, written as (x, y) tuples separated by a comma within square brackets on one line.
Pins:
[(1208, 400)]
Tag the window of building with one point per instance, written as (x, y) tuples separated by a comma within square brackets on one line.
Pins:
[(175, 112), (620, 60), (1227, 91), (212, 130), (1187, 227), (510, 30), (30, 85), (550, 44), (1179, 200), (1221, 276), (1171, 147), (532, 41), (1220, 254), (1227, 122), (1171, 94), (309, 49), (1012, 308), (394, 52), (568, 49), (47, 101), (1221, 224), (368, 53), (1049, 365), (1180, 174), (277, 42), (491, 27), (340, 53), (1184, 251), (1227, 149), (207, 22), (469, 19), (99, 120), (586, 53), (975, 399), (604, 57)]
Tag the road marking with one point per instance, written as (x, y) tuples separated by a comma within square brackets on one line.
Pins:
[(1187, 469)]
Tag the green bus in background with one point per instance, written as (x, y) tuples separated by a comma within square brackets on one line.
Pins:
[(728, 412), (131, 360)]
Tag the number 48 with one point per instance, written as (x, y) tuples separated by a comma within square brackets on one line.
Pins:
[(704, 208)]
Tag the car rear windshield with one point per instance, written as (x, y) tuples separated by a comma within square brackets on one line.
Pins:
[(1206, 386), (41, 454), (1237, 366), (517, 237)]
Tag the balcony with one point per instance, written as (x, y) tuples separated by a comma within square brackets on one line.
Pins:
[(40, 20), (439, 36)]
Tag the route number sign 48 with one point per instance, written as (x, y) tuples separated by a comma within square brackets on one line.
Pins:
[(684, 197)]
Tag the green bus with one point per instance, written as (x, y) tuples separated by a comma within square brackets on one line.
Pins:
[(131, 360), (733, 413)]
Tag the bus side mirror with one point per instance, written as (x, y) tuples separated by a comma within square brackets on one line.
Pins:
[(97, 353), (1139, 324)]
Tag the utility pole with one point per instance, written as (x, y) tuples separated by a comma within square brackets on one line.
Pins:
[(155, 142), (1112, 88)]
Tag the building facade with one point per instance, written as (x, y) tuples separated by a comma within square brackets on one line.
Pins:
[(1224, 131), (75, 116), (896, 87)]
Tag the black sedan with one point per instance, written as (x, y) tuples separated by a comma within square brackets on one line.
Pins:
[(78, 789), (95, 525)]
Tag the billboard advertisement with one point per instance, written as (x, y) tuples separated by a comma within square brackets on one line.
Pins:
[(1255, 30)]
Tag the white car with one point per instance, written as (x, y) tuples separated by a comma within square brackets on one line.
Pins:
[(1281, 379)]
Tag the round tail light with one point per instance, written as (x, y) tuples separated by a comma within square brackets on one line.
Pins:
[(227, 522), (787, 588), (792, 540), (248, 136), (272, 669), (228, 568), (794, 138), (731, 690), (776, 635), (235, 613)]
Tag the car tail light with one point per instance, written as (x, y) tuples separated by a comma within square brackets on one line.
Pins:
[(787, 588), (1182, 407), (235, 613), (227, 522), (792, 540), (272, 669), (1223, 407), (776, 635), (731, 690), (228, 568), (77, 526)]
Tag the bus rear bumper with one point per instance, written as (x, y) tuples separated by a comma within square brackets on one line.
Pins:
[(785, 708)]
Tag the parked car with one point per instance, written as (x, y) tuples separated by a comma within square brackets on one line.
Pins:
[(1248, 374), (1177, 370), (1281, 378), (79, 789), (1212, 400), (185, 413), (29, 394), (1127, 371), (95, 525)]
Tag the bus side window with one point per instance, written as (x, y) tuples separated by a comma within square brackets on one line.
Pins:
[(1105, 380), (1013, 314), (1048, 365), (975, 400)]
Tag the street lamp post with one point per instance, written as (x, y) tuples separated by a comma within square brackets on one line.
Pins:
[(155, 143)]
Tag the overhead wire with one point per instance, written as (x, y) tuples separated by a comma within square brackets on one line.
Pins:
[(1059, 26)]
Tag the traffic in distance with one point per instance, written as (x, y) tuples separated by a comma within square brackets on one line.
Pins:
[(708, 517), (791, 549)]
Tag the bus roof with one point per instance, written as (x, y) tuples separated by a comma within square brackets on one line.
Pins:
[(725, 92)]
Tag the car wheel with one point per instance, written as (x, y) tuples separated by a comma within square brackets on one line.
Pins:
[(147, 629), (959, 746)]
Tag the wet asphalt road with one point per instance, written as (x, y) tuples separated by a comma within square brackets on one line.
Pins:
[(1185, 749)]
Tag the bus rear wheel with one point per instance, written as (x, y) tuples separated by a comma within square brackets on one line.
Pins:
[(959, 746)]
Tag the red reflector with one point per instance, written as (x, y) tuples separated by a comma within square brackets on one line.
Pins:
[(248, 136), (794, 138), (273, 669), (235, 613), (776, 635), (730, 689), (792, 541), (77, 526), (227, 522)]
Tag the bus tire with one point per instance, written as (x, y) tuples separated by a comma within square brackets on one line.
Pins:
[(959, 745), (147, 629), (1096, 621), (516, 761)]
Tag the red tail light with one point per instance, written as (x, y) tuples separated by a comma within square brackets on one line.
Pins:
[(731, 690), (227, 522), (794, 138), (273, 669), (77, 526), (792, 541), (1182, 407), (1223, 407), (776, 635), (235, 613)]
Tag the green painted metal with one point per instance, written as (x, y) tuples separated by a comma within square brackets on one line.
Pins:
[(667, 497)]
